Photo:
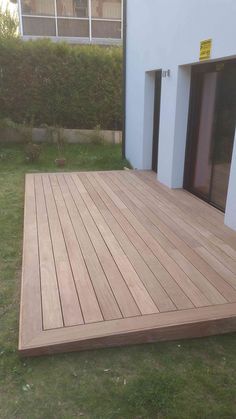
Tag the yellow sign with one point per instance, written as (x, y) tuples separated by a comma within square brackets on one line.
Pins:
[(205, 49)]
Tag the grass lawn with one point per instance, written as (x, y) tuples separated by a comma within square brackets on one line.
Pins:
[(188, 379)]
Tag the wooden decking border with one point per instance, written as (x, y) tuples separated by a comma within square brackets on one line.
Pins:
[(188, 324), (161, 326)]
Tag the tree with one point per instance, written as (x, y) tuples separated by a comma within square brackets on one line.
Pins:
[(8, 24)]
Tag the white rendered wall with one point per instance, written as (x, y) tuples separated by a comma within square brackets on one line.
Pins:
[(167, 35), (230, 214)]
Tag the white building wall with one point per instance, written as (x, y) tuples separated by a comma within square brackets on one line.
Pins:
[(230, 214), (167, 35)]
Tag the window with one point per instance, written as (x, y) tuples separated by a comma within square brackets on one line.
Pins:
[(98, 19), (106, 9), (73, 8), (73, 28), (36, 26), (102, 29), (38, 7)]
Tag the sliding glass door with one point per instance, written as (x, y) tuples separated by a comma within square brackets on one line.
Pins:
[(211, 131)]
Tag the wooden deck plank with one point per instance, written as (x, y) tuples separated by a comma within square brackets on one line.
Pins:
[(197, 277), (152, 216), (216, 256), (186, 200), (52, 312), (120, 289), (210, 218), (168, 283), (205, 213), (155, 220), (223, 271), (69, 299), (30, 308), (182, 324), (106, 299), (188, 223), (223, 258), (88, 301), (139, 292), (138, 222), (114, 258), (160, 297), (121, 292), (159, 228), (142, 322)]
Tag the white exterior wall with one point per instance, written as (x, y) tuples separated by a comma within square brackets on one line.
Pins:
[(167, 35)]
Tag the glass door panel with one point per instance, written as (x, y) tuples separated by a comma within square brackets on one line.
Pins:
[(203, 162), (224, 136), (211, 131)]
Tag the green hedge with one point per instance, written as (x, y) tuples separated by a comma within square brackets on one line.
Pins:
[(42, 82)]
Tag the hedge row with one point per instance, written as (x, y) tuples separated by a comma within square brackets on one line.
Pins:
[(42, 82)]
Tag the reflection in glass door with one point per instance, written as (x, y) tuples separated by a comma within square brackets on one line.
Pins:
[(203, 164), (211, 131)]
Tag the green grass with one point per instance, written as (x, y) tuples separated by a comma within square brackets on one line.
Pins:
[(192, 379)]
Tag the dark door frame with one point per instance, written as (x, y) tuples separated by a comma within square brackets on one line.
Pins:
[(156, 119)]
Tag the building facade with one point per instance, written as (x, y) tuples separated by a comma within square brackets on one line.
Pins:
[(75, 21), (181, 96)]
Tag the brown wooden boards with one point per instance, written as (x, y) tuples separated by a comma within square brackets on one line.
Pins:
[(113, 258)]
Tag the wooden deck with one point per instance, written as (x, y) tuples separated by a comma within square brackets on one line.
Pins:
[(114, 258)]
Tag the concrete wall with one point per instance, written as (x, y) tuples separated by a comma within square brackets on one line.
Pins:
[(166, 35), (71, 136), (230, 214)]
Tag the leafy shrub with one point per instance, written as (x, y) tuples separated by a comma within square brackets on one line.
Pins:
[(57, 84), (7, 123), (8, 24), (32, 152)]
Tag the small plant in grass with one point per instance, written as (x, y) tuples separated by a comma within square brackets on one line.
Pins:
[(60, 141), (97, 137), (32, 152)]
